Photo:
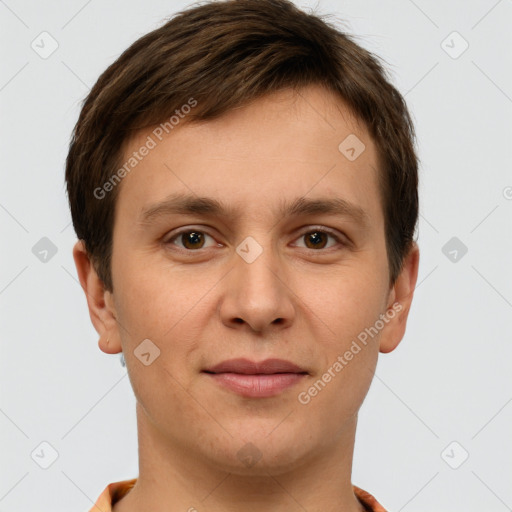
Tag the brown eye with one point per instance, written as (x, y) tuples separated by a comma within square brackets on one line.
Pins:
[(190, 239), (319, 238), (316, 239)]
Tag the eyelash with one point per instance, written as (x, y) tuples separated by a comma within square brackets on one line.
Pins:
[(314, 229)]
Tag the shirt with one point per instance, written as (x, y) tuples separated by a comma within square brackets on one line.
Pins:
[(116, 490)]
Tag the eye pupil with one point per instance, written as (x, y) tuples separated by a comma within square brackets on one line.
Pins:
[(196, 239), (192, 238), (315, 238)]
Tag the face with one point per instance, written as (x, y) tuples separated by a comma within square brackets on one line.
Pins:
[(253, 237)]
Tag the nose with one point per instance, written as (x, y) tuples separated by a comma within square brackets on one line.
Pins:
[(257, 296)]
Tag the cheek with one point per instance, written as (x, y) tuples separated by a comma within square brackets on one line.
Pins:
[(348, 308), (149, 309), (335, 396), (151, 298), (165, 306), (346, 301)]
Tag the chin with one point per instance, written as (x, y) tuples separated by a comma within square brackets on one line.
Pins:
[(252, 451)]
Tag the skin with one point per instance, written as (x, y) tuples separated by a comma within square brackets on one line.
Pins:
[(208, 304)]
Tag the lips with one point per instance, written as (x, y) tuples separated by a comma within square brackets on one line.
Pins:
[(253, 379), (247, 367)]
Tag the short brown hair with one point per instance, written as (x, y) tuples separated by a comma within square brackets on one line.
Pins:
[(225, 54)]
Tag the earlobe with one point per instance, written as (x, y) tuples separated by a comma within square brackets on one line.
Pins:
[(101, 309), (401, 298), (106, 345)]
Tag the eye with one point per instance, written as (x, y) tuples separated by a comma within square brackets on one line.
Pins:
[(190, 239), (318, 238), (195, 239)]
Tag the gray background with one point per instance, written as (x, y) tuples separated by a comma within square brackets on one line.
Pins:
[(449, 380)]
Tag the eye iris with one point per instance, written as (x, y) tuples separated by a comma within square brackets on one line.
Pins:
[(315, 238), (191, 238)]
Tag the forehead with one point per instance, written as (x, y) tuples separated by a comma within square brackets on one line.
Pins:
[(283, 145)]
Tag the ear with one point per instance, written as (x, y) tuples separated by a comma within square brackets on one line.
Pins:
[(400, 298), (100, 301)]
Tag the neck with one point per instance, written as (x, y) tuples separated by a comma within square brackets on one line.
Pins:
[(174, 479)]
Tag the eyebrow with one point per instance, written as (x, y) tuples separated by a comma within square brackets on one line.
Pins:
[(188, 204)]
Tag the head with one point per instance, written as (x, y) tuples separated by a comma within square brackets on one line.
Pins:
[(270, 121)]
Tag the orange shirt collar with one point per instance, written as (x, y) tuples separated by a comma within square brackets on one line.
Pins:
[(116, 490)]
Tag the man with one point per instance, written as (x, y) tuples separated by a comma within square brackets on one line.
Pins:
[(243, 184)]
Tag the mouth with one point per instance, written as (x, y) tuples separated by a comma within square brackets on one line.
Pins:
[(256, 379)]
